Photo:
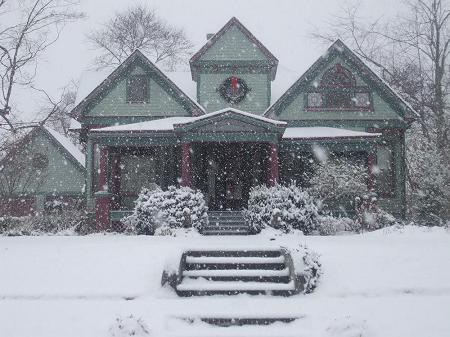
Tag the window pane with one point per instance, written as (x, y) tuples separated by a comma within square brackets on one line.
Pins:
[(137, 89), (338, 99), (362, 99), (384, 172), (314, 99), (138, 171)]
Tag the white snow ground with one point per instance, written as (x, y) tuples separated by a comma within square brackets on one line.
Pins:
[(393, 282)]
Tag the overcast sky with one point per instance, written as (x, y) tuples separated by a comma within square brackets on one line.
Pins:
[(281, 25)]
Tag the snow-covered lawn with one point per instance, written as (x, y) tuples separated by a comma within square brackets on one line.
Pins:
[(386, 283)]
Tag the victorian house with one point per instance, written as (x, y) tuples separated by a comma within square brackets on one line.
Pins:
[(228, 127)]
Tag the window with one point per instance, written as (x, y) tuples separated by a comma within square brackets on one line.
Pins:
[(137, 87), (338, 91), (384, 173), (361, 99), (314, 99)]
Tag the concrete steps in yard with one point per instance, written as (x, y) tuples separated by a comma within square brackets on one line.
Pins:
[(209, 272), (226, 223)]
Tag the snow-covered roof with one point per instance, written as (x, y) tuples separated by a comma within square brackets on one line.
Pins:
[(237, 111), (68, 145), (319, 132), (167, 124)]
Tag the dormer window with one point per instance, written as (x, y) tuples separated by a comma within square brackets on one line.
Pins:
[(137, 89), (338, 91)]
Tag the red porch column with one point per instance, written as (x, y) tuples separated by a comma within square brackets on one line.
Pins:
[(102, 196), (186, 169), (116, 176), (273, 164), (370, 166)]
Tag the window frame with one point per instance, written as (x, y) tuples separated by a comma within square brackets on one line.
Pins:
[(327, 90), (392, 179), (145, 80)]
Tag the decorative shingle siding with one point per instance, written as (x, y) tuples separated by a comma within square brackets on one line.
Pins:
[(295, 110)]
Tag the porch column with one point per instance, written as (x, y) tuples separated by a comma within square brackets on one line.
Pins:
[(186, 169), (102, 196), (273, 164), (116, 176), (370, 165)]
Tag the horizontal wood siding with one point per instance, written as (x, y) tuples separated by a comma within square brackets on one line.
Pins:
[(233, 45), (257, 99), (114, 102)]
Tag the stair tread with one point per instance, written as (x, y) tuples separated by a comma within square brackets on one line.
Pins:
[(234, 259), (205, 285), (236, 272)]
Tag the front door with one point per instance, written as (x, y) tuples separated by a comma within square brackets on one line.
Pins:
[(226, 178)]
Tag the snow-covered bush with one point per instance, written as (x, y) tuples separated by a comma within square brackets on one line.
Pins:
[(330, 225), (129, 326), (282, 207), (67, 222), (370, 217), (339, 179), (307, 267), (429, 181), (173, 208)]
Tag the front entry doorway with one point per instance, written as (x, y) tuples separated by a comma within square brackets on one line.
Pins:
[(225, 172)]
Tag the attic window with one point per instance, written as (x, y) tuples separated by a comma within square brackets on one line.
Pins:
[(338, 91), (137, 89)]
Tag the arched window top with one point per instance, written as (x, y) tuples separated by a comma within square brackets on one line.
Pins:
[(338, 77)]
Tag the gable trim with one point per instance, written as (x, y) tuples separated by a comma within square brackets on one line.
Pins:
[(195, 108), (193, 62), (382, 88)]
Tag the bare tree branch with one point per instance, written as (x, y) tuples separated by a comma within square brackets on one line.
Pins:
[(139, 28)]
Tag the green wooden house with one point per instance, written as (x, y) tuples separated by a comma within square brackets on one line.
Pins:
[(43, 168), (142, 129)]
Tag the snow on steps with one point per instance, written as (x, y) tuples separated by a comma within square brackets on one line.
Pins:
[(225, 223), (239, 321), (204, 272)]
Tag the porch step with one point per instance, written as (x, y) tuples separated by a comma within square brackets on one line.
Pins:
[(226, 223), (236, 271)]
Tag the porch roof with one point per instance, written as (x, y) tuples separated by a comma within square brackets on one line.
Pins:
[(320, 132), (171, 123)]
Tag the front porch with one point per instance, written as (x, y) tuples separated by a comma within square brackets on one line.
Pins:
[(222, 154)]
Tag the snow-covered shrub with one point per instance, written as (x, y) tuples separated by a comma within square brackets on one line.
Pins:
[(370, 217), (339, 179), (282, 207), (307, 267), (67, 222), (429, 181), (173, 208), (330, 225), (129, 326)]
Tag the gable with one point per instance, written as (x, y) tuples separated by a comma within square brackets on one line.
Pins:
[(233, 45), (62, 174), (109, 99), (161, 101), (386, 105)]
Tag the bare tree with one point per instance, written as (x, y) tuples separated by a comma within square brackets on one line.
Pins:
[(140, 28), (27, 29), (56, 111), (411, 53)]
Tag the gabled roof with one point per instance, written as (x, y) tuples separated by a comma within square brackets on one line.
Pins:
[(68, 149), (339, 48), (195, 108), (273, 61), (172, 123)]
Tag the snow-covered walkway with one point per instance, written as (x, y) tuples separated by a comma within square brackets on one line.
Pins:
[(386, 283)]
